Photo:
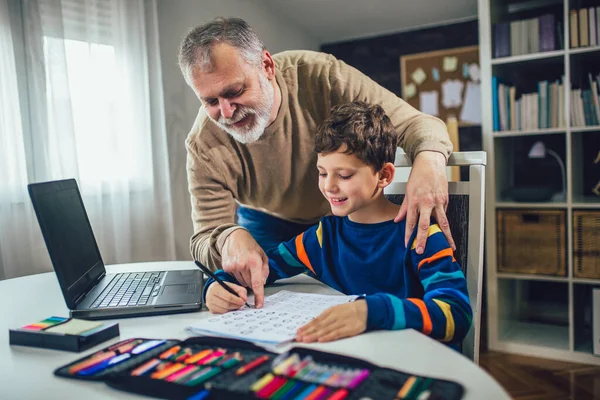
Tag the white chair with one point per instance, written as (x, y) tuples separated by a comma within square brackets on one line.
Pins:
[(466, 217)]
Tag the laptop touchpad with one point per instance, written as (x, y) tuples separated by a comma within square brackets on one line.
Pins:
[(175, 290)]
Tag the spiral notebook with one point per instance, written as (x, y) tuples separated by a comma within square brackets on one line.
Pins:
[(274, 324)]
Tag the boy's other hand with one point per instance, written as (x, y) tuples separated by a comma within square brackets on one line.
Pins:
[(426, 196), (337, 322), (244, 259), (219, 300)]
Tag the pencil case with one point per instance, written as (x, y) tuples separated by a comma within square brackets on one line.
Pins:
[(220, 368)]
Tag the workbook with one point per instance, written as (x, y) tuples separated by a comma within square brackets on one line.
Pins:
[(274, 324)]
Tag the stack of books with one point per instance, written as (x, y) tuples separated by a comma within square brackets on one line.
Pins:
[(527, 36), (584, 27)]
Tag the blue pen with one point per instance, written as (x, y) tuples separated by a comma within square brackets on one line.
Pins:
[(104, 364), (200, 395)]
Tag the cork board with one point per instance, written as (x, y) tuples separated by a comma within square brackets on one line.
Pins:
[(444, 83)]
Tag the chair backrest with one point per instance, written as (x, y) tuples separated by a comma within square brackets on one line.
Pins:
[(466, 217)]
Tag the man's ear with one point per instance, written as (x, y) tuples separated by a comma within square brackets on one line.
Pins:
[(386, 174), (268, 64)]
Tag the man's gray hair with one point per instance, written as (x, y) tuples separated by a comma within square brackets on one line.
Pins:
[(196, 48)]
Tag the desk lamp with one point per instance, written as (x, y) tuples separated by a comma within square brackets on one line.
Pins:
[(539, 150)]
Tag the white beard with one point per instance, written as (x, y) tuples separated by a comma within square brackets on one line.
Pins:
[(251, 133)]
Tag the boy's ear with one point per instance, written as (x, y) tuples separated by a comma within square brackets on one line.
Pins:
[(386, 174)]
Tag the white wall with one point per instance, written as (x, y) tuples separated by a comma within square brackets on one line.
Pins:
[(175, 19)]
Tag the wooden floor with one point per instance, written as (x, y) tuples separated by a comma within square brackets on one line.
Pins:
[(528, 378)]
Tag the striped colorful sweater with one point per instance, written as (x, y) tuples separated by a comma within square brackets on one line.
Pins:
[(425, 292)]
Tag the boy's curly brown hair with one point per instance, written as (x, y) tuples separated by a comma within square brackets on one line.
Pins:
[(364, 128)]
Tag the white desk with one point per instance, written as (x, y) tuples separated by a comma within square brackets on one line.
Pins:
[(27, 372)]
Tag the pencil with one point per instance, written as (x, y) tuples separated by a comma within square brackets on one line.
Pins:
[(219, 281), (251, 365)]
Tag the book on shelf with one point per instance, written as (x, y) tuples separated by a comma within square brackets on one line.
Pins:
[(543, 109), (527, 36), (584, 27), (585, 104), (593, 27), (515, 111)]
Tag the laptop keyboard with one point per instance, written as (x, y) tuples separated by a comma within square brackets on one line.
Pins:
[(129, 289)]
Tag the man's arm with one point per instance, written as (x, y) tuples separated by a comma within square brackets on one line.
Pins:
[(417, 131), (213, 207)]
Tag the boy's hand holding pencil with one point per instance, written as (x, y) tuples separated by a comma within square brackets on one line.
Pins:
[(220, 301)]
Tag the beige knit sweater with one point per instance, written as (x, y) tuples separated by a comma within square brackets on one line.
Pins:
[(277, 174)]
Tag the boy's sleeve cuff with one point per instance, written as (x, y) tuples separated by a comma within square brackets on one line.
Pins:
[(225, 277), (376, 312)]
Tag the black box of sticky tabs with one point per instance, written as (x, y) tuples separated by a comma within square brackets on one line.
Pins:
[(60, 333)]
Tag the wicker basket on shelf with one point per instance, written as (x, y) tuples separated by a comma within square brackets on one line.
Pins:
[(532, 242), (586, 244)]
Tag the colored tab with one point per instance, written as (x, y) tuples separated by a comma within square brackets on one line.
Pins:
[(35, 327)]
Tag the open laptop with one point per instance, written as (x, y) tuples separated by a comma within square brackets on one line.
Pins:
[(88, 290)]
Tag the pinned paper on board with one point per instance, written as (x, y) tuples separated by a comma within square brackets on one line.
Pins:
[(474, 72), (409, 91), (419, 76), (465, 70), (435, 82), (471, 110), (452, 93), (450, 63), (429, 102)]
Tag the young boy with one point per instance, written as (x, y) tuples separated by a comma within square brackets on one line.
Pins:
[(360, 249)]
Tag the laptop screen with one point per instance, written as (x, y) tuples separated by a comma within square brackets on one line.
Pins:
[(68, 236)]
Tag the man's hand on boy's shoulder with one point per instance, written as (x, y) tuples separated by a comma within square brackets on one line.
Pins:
[(337, 322), (219, 300), (426, 197)]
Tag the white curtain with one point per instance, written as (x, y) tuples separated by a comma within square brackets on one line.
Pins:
[(90, 76)]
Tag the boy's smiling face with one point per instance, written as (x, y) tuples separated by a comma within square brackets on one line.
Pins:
[(347, 182)]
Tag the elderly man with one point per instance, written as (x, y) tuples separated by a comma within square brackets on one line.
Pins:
[(251, 168)]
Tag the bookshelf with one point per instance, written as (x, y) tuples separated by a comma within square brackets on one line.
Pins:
[(532, 313)]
